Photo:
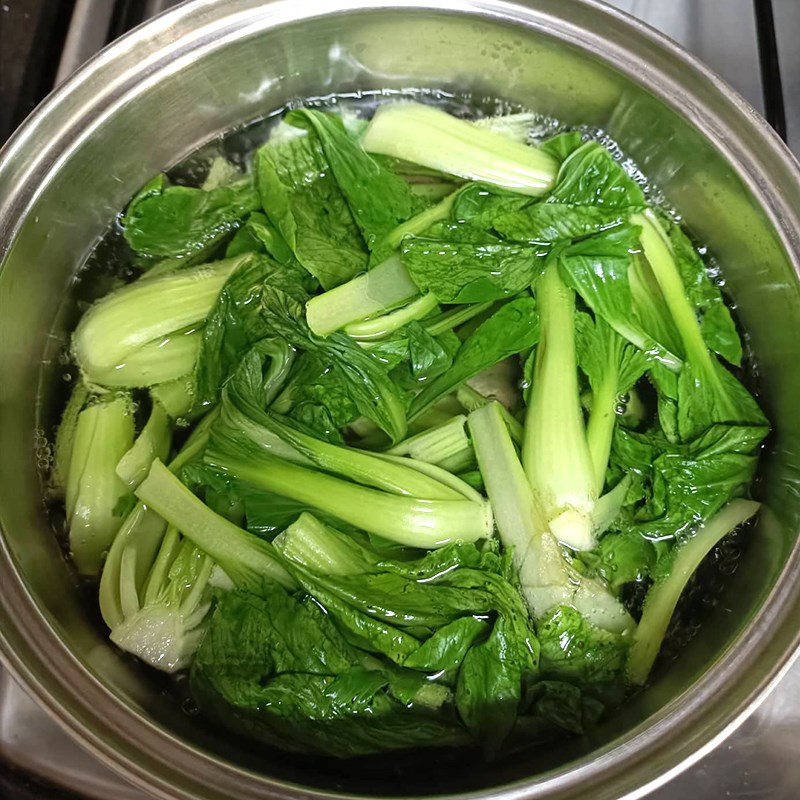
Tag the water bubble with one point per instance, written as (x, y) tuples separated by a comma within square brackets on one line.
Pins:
[(190, 707)]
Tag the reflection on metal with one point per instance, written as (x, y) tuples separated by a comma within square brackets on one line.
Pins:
[(153, 7), (722, 33), (32, 742), (759, 762), (88, 32)]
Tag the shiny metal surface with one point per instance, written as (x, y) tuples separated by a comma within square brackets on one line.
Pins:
[(87, 33), (34, 744), (213, 65), (757, 762), (721, 33)]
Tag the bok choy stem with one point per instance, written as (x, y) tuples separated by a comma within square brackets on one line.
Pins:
[(410, 521), (385, 287), (555, 452), (244, 557), (433, 138), (663, 596)]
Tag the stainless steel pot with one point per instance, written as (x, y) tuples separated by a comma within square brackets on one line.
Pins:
[(206, 67)]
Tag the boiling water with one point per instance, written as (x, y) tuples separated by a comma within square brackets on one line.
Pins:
[(112, 263)]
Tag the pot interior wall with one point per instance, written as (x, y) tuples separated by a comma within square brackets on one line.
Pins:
[(224, 84)]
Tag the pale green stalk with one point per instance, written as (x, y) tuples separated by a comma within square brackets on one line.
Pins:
[(433, 138), (153, 442), (380, 327), (555, 452), (663, 595), (385, 287), (244, 557), (406, 520), (113, 331)]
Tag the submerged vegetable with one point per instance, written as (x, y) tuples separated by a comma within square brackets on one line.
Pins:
[(546, 573), (147, 332), (430, 137), (663, 596), (65, 436), (103, 434), (152, 443), (166, 629), (381, 289), (455, 402), (556, 453)]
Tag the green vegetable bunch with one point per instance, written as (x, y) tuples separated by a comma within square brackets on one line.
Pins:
[(455, 403)]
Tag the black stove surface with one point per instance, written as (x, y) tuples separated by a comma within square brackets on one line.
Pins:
[(32, 34)]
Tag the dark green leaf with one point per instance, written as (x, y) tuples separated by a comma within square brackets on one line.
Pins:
[(477, 205), (278, 666), (707, 396), (178, 221), (343, 370), (427, 593), (543, 223), (562, 144), (237, 322), (277, 669), (259, 235), (467, 272), (598, 268), (685, 484), (445, 650), (318, 397), (512, 328), (560, 705), (303, 201), (574, 650), (489, 689), (428, 355), (379, 200), (445, 590), (716, 324), (591, 176), (600, 349), (621, 558), (268, 514)]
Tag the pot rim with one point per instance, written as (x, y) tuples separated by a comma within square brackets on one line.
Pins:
[(633, 764)]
